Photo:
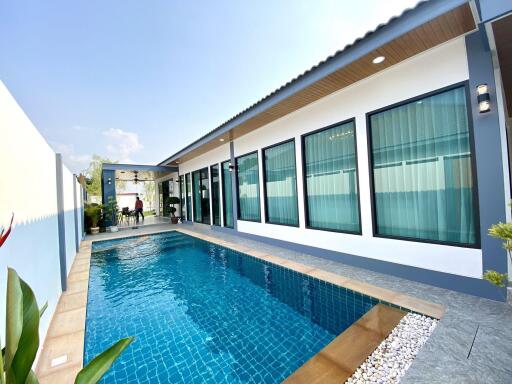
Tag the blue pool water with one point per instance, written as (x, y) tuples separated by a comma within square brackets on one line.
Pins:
[(202, 313)]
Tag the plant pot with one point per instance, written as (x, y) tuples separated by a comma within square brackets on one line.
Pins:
[(95, 230), (174, 220)]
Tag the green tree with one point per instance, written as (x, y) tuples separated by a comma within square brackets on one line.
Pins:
[(93, 176), (149, 194)]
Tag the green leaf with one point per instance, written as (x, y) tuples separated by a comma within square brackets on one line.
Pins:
[(28, 344), (94, 371), (2, 380), (43, 309), (32, 378), (14, 317)]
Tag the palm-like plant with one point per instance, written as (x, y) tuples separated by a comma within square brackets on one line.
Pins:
[(22, 336)]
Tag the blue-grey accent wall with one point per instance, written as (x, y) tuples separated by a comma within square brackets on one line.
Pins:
[(233, 184), (61, 221), (108, 187), (489, 162), (75, 214)]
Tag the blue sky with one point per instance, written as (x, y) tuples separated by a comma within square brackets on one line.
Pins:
[(136, 80)]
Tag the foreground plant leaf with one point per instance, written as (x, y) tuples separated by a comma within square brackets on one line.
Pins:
[(97, 367), (14, 318), (19, 370)]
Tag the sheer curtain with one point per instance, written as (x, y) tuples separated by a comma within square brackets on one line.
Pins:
[(281, 184), (188, 183), (423, 180), (196, 191), (248, 187), (227, 195), (331, 179)]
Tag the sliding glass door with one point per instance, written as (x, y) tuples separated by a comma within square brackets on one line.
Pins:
[(201, 192), (182, 198), (188, 186), (214, 172), (227, 195)]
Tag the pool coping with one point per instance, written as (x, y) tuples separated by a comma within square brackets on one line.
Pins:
[(66, 333)]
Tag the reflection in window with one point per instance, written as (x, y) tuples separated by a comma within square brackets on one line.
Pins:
[(281, 184), (331, 179), (248, 187), (422, 175)]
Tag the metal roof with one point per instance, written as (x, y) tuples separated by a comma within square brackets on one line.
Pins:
[(409, 19)]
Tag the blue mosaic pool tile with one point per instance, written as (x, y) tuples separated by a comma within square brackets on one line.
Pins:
[(202, 313)]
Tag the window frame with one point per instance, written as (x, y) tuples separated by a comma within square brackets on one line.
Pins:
[(223, 195), (199, 171), (265, 205), (304, 178), (238, 186), (212, 215), (188, 180), (476, 205)]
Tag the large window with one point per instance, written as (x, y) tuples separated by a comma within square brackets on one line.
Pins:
[(330, 171), (201, 196), (214, 172), (182, 197), (280, 184), (422, 170), (227, 195), (248, 187), (188, 183)]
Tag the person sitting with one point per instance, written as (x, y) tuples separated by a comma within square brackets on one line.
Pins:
[(139, 209)]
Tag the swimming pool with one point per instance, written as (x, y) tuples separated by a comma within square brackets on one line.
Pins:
[(204, 313)]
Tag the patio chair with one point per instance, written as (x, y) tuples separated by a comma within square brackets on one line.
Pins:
[(125, 214)]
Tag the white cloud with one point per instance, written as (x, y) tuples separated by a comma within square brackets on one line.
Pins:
[(121, 145), (76, 162)]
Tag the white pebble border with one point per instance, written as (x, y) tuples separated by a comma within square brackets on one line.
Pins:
[(389, 362)]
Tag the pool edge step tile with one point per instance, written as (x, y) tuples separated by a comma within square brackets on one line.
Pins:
[(337, 361)]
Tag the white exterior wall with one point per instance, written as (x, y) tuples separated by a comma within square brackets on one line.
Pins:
[(28, 187), (411, 78)]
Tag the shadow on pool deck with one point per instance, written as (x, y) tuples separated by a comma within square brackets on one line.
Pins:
[(453, 354)]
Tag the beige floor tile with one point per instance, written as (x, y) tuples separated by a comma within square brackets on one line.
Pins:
[(71, 301), (66, 376), (67, 322), (78, 276), (77, 286), (70, 345)]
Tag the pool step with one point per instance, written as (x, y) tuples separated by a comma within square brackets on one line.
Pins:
[(337, 361)]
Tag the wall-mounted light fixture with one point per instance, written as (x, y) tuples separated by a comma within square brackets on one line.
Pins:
[(484, 103), (109, 181), (231, 167)]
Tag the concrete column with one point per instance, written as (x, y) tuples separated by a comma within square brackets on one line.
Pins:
[(233, 184), (61, 222), (487, 151)]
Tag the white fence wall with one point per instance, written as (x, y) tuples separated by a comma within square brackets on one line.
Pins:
[(28, 188)]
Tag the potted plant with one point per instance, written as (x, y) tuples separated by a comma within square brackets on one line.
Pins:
[(173, 200), (93, 215), (111, 211)]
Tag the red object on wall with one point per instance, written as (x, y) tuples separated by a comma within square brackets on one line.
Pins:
[(3, 236)]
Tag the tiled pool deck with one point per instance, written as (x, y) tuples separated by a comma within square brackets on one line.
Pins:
[(452, 355)]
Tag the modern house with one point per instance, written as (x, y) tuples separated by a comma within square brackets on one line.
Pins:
[(391, 155)]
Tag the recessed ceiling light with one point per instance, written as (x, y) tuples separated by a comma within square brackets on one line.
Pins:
[(221, 139), (378, 60)]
